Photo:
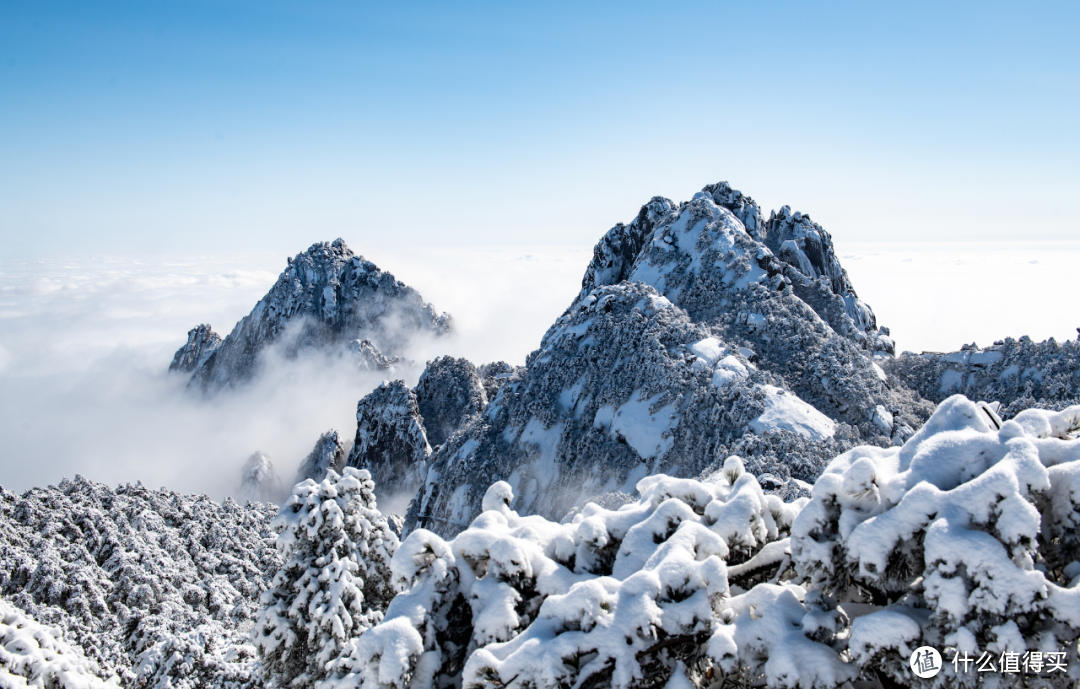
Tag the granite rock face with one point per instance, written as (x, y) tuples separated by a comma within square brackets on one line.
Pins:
[(449, 392), (689, 341), (329, 453), (390, 440), (326, 299), (201, 343), (624, 385)]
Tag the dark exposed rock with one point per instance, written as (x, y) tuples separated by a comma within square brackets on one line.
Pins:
[(390, 440), (449, 392), (326, 299), (201, 343), (328, 453)]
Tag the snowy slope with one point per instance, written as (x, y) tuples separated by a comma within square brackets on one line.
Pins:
[(624, 385)]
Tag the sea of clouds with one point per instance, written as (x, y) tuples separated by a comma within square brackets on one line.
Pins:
[(85, 344)]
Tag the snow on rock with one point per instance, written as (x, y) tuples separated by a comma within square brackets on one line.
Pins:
[(369, 358), (329, 453), (34, 655), (258, 480), (495, 375), (449, 392), (1019, 374), (785, 410), (391, 442), (334, 581), (614, 393), (201, 343), (155, 587), (798, 313), (327, 298)]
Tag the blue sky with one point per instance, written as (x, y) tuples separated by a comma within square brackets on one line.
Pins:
[(198, 126)]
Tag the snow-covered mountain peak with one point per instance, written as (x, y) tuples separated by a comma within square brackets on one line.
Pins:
[(326, 299)]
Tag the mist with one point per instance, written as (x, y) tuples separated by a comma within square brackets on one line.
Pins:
[(85, 345)]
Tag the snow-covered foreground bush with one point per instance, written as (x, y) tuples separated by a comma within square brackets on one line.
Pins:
[(153, 586), (964, 539), (33, 655), (334, 582)]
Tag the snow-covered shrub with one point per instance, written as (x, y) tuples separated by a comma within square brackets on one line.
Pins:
[(334, 582), (132, 575), (964, 539), (33, 655), (613, 598)]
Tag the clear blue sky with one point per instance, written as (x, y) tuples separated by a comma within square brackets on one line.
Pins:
[(205, 125)]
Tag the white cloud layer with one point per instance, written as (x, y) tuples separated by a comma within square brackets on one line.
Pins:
[(85, 344)]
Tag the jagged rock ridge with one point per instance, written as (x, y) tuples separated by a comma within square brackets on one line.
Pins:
[(201, 343), (689, 340), (327, 298), (329, 453), (390, 440), (1020, 374)]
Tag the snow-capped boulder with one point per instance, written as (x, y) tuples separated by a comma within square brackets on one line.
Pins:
[(449, 392), (326, 299), (390, 440), (258, 480), (624, 385), (153, 586), (201, 343), (329, 453), (1019, 374)]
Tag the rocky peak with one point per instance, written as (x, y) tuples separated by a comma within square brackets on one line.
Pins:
[(390, 440), (326, 299), (742, 207), (258, 480), (495, 375), (201, 343), (369, 358), (328, 453), (449, 392)]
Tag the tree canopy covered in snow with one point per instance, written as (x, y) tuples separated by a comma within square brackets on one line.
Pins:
[(157, 588), (965, 538), (334, 582)]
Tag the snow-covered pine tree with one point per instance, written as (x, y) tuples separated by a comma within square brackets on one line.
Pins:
[(334, 583)]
